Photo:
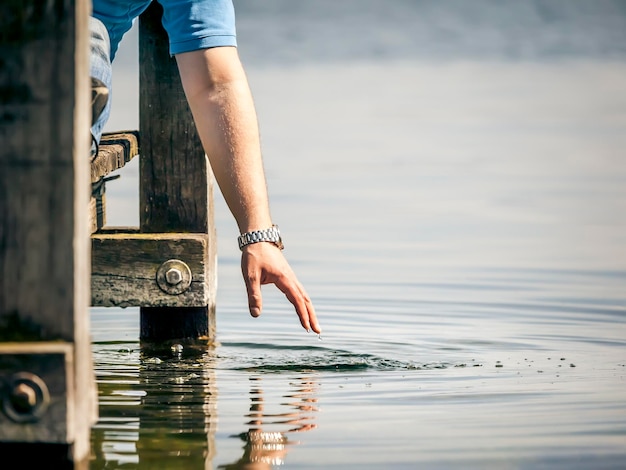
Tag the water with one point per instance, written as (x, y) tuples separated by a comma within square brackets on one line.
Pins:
[(451, 184)]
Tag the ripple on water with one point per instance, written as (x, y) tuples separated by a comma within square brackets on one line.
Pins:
[(275, 358)]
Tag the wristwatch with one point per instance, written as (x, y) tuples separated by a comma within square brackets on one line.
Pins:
[(271, 235)]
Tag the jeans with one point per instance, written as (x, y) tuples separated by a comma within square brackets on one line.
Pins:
[(100, 68)]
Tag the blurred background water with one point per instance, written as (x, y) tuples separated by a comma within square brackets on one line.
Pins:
[(450, 180)]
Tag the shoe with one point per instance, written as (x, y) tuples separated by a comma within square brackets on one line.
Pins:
[(99, 98)]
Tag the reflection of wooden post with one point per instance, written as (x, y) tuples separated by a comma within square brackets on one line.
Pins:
[(175, 180), (172, 425), (48, 401), (182, 413)]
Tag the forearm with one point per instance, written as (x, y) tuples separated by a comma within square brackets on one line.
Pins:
[(219, 96), (224, 113)]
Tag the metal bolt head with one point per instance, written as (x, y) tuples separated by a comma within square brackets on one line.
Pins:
[(173, 276), (23, 398)]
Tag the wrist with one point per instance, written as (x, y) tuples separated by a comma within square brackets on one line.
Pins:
[(267, 235)]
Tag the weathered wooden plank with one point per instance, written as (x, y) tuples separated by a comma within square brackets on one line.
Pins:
[(97, 206), (116, 150), (44, 189), (52, 367), (37, 171), (176, 183), (93, 218), (125, 270), (174, 173)]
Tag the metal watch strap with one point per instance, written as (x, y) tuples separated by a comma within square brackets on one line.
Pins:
[(271, 235)]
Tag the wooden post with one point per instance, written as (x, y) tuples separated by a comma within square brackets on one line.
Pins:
[(176, 183), (48, 401)]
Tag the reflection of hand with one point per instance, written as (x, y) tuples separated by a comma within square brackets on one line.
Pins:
[(264, 263), (304, 402), (266, 448), (263, 450)]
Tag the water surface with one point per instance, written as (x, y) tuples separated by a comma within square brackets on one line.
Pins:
[(456, 207)]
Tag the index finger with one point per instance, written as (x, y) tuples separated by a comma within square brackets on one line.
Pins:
[(297, 295)]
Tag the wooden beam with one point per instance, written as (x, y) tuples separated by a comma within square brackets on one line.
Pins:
[(116, 150), (131, 270), (51, 411), (176, 183), (44, 192), (97, 210), (174, 172)]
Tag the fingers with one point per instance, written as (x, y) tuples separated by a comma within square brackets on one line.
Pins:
[(255, 299), (265, 265), (296, 294)]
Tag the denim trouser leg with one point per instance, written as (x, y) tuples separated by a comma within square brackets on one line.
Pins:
[(100, 68)]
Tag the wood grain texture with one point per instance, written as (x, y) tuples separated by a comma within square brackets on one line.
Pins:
[(53, 363), (44, 191), (174, 175), (39, 93), (124, 269), (116, 150), (176, 183)]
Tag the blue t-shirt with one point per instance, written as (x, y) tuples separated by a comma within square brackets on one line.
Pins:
[(190, 24)]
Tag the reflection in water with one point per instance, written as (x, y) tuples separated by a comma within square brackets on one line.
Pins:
[(160, 411), (155, 412), (263, 448), (500, 187), (180, 408)]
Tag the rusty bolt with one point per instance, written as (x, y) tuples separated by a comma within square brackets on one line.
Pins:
[(173, 276), (23, 398)]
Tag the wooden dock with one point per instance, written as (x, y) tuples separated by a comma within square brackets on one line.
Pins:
[(58, 257)]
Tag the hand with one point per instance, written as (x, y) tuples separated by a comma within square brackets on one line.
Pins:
[(264, 263)]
